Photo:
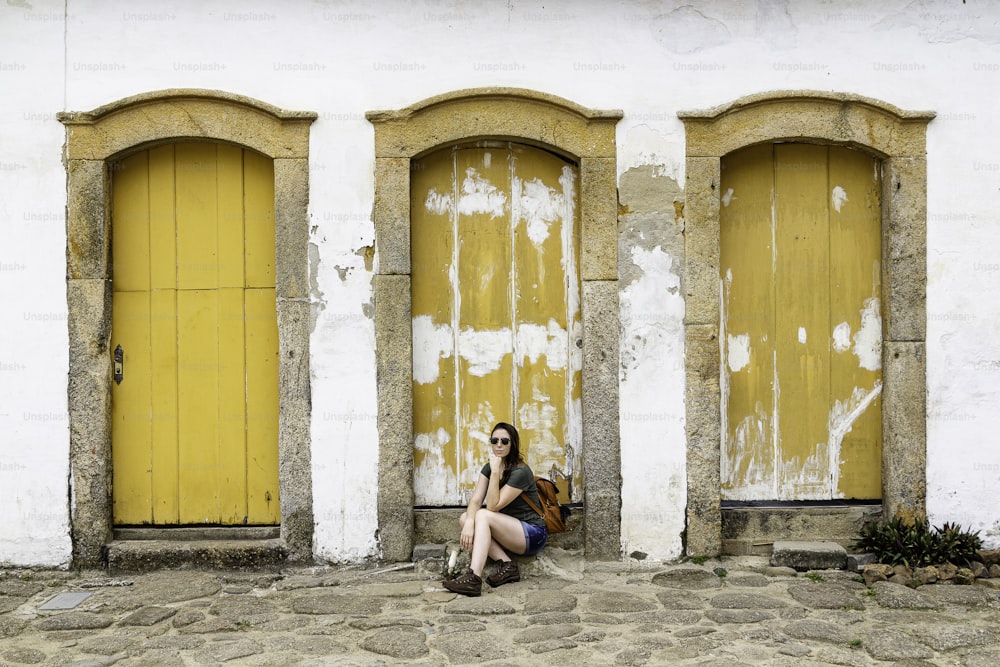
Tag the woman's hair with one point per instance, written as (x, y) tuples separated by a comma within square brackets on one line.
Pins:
[(513, 458)]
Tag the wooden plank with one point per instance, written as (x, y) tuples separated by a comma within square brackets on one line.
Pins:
[(802, 295), (163, 354), (854, 192), (197, 216), (233, 386), (485, 339), (229, 175), (198, 405), (258, 204), (162, 222), (437, 472), (130, 410), (263, 502), (748, 470), (130, 217), (544, 264)]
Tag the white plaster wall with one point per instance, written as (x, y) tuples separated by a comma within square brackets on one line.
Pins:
[(341, 59), (34, 442)]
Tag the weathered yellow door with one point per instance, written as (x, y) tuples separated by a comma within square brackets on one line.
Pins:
[(195, 414), (801, 334), (496, 314)]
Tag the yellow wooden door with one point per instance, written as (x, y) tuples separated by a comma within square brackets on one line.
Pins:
[(496, 314), (801, 334), (195, 408)]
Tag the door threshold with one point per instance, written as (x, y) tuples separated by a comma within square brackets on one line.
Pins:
[(196, 533)]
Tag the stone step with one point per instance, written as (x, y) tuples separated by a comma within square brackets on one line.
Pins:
[(804, 556), (130, 556), (188, 533)]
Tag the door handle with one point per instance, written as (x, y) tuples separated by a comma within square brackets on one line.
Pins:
[(119, 364)]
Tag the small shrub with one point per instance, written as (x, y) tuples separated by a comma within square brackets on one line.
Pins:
[(815, 576), (914, 543)]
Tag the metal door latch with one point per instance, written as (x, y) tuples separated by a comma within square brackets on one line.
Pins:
[(119, 365)]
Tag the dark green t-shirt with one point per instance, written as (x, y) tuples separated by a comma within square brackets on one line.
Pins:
[(521, 478)]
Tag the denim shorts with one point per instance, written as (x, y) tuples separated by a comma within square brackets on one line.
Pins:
[(534, 538)]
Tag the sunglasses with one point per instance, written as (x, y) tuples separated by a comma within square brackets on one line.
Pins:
[(505, 441)]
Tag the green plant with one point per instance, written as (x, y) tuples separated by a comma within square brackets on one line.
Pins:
[(914, 543), (855, 643), (698, 560), (815, 576)]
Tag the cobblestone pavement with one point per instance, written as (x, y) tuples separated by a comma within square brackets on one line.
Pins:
[(563, 612)]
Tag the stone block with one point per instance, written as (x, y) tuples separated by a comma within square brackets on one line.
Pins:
[(857, 562), (805, 556), (425, 551)]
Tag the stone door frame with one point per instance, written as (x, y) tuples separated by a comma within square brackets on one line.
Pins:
[(896, 136), (94, 141), (585, 136)]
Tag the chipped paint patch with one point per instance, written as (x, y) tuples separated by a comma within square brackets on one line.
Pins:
[(842, 337), (534, 341), (431, 343), (802, 335), (839, 197), (480, 196), (727, 197), (484, 350), (539, 206), (738, 356), (868, 339), (438, 203)]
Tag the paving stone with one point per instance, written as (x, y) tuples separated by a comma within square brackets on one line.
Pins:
[(738, 615), (819, 630), (336, 603), (664, 617), (473, 647), (75, 620), (162, 588), (24, 656), (226, 651), (146, 616), (897, 596), (546, 632), (403, 589), (966, 596), (174, 642), (690, 578), (397, 642), (553, 618), (545, 601), (745, 601), (19, 587), (747, 580), (825, 596), (187, 617), (894, 645), (10, 603), (552, 645), (615, 602), (11, 626), (680, 599), (947, 637), (697, 631), (795, 650), (490, 605)]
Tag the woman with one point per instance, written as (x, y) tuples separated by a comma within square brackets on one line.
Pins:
[(507, 523)]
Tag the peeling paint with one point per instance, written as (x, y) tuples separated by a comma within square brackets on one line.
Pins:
[(727, 197), (839, 197), (534, 341), (480, 196), (842, 337), (431, 343), (484, 350), (540, 205), (438, 203), (738, 357), (868, 339), (803, 336)]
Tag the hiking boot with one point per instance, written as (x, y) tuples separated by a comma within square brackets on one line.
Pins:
[(465, 584), (506, 573)]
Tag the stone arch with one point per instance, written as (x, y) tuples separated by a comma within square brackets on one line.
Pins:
[(899, 138), (94, 140), (587, 137)]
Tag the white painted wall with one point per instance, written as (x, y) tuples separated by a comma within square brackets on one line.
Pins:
[(344, 58)]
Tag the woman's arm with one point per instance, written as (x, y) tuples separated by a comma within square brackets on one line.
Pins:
[(496, 497)]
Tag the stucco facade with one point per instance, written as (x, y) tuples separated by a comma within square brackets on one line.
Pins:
[(644, 97)]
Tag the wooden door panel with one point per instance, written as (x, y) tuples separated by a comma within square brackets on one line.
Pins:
[(195, 435), (801, 323), (495, 306)]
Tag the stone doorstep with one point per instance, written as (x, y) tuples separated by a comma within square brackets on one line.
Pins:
[(131, 556), (804, 556)]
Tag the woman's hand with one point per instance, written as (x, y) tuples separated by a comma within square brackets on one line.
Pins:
[(465, 539), (496, 465)]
